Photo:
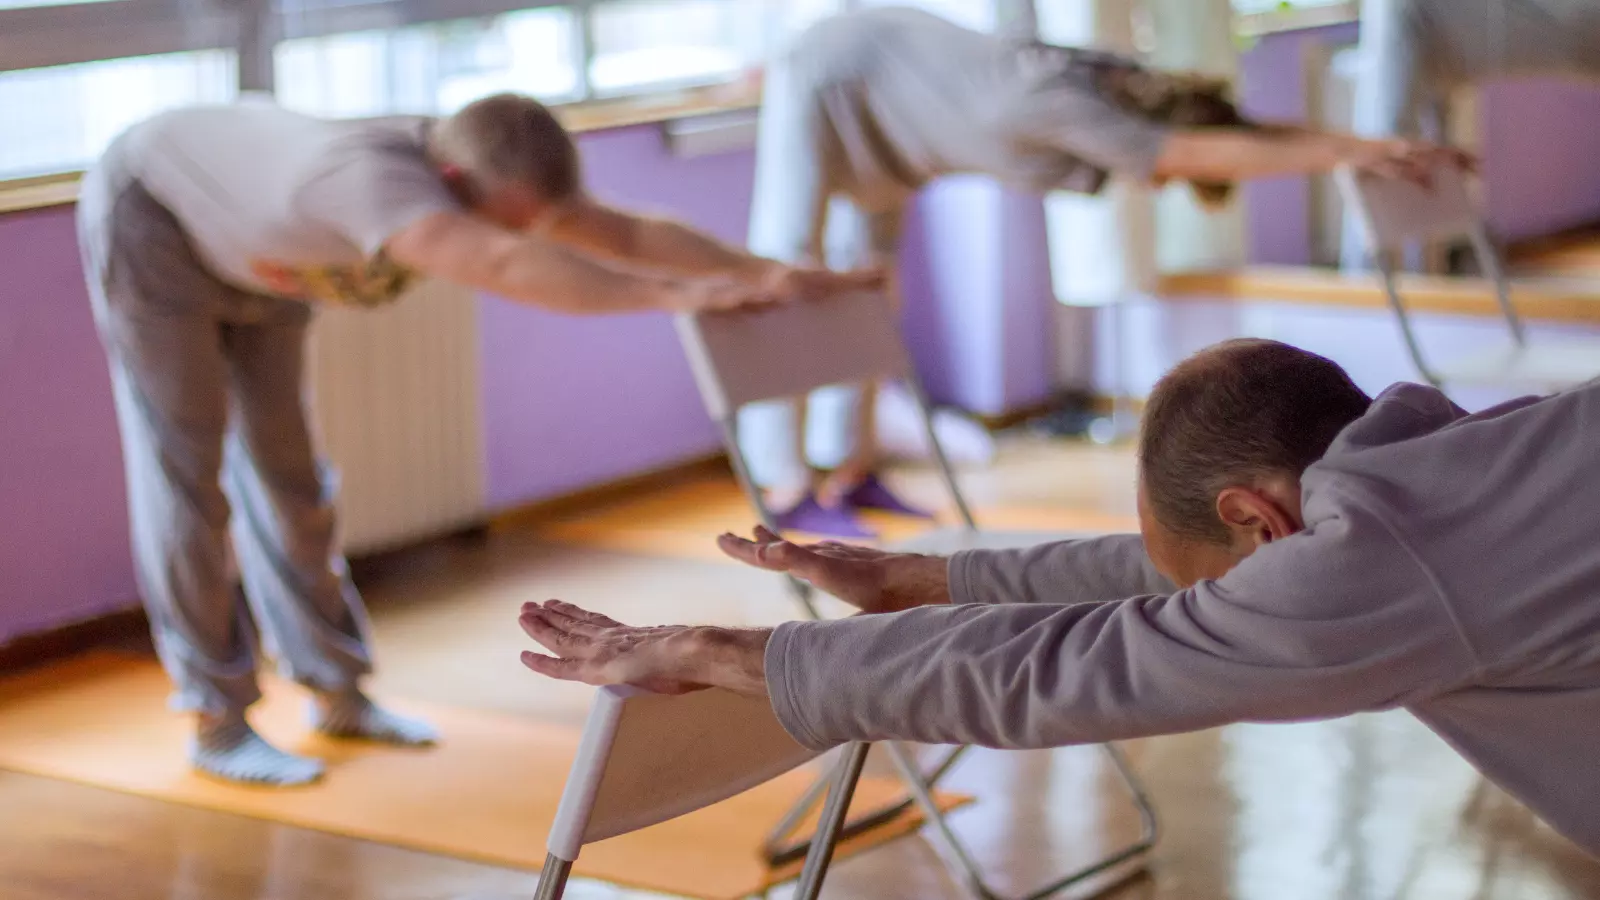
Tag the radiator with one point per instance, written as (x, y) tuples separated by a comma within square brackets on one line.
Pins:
[(398, 405)]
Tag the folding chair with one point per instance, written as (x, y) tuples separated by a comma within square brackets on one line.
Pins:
[(1393, 211), (787, 351), (645, 758)]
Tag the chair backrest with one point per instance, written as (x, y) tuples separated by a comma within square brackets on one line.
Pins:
[(1393, 211), (741, 357), (646, 758)]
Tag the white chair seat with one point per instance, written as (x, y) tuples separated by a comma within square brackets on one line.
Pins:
[(945, 541), (1543, 366)]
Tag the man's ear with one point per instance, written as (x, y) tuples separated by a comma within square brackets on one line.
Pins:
[(1254, 517), (455, 178)]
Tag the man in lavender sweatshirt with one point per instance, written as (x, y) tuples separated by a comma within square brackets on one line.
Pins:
[(1307, 552)]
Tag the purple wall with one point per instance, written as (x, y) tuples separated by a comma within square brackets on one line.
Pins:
[(1540, 143), (570, 402), (63, 529)]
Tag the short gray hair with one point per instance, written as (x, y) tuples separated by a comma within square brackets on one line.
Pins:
[(1232, 413), (509, 138)]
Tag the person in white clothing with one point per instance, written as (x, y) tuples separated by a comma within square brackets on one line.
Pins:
[(866, 108)]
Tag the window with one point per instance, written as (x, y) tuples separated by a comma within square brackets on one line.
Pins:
[(640, 42), (73, 73), (19, 4), (66, 115), (430, 69)]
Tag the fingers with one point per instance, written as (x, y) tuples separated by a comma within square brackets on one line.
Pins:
[(576, 613), (773, 553), (553, 667), (550, 631), (1418, 162), (756, 553)]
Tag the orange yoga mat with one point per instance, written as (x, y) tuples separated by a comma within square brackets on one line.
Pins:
[(487, 794)]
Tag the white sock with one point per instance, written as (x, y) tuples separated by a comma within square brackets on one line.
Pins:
[(353, 715), (229, 749)]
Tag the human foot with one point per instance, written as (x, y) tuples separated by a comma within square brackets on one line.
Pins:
[(352, 715), (226, 747), (810, 517), (835, 488), (872, 493)]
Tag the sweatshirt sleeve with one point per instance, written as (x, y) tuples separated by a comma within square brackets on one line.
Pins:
[(1335, 620), (1076, 571)]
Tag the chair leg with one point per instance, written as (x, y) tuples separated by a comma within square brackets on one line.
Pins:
[(946, 472), (553, 878), (802, 592), (833, 816), (778, 852), (1391, 291), (960, 859), (775, 850)]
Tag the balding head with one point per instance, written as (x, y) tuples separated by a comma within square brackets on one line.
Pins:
[(1243, 418), (507, 155)]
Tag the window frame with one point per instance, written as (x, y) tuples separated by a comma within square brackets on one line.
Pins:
[(45, 36), (67, 34), (99, 30)]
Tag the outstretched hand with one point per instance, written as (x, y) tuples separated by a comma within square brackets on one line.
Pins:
[(873, 581), (820, 284), (670, 659), (1414, 161), (776, 283)]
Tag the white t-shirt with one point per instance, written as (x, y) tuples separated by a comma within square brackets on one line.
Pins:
[(287, 204), (905, 96)]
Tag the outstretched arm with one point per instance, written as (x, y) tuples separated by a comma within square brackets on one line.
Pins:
[(1090, 127), (654, 242), (877, 581), (1240, 154), (467, 250), (1318, 625), (671, 246)]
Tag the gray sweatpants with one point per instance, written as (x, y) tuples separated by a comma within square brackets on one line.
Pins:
[(209, 381), (797, 215)]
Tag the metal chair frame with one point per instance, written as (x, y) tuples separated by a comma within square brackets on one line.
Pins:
[(865, 344)]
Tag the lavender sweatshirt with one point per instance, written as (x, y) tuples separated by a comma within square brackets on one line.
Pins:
[(1450, 565)]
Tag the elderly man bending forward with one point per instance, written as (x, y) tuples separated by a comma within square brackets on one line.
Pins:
[(1307, 552)]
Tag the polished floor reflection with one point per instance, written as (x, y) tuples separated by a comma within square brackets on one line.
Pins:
[(1367, 808)]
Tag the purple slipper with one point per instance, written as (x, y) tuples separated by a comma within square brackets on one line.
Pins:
[(811, 517), (873, 494)]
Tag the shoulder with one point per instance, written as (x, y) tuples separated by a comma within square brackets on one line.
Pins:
[(387, 151)]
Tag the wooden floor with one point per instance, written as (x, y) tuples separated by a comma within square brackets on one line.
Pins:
[(1573, 254), (1370, 807)]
